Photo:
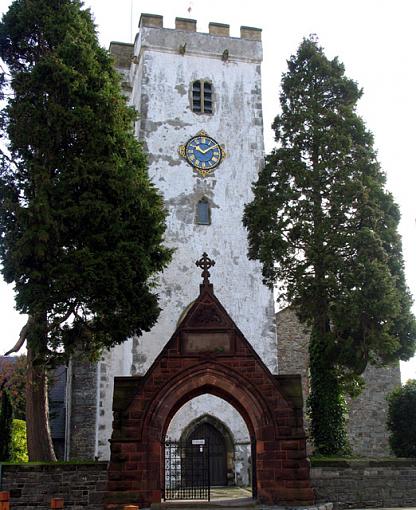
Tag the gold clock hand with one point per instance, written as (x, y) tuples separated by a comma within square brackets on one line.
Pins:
[(209, 149)]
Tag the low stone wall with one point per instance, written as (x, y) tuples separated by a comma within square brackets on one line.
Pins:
[(347, 484), (365, 483), (32, 486)]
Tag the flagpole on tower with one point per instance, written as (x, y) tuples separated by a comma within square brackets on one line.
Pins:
[(131, 21)]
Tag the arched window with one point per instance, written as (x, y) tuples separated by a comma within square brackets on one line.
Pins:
[(203, 213), (202, 96)]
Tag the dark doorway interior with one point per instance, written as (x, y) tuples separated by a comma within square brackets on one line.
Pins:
[(217, 452)]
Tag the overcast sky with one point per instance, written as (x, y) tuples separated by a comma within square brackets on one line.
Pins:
[(375, 39)]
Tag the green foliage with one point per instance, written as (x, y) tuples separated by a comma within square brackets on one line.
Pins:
[(401, 420), (19, 443), (82, 225), (13, 374), (325, 230), (6, 419)]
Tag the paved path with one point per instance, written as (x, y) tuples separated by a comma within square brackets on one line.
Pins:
[(237, 498)]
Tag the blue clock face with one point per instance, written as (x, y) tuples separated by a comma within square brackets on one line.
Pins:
[(203, 153)]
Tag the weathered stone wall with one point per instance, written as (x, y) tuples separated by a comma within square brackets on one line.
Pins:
[(352, 484), (32, 487), (113, 363), (367, 413), (122, 54), (361, 484), (292, 350), (82, 416)]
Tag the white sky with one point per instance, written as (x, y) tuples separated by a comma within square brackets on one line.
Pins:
[(375, 39)]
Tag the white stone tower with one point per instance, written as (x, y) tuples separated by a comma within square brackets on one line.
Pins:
[(182, 82)]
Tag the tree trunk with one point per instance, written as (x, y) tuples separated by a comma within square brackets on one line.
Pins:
[(39, 441)]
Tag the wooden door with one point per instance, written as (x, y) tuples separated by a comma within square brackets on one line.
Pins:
[(217, 452)]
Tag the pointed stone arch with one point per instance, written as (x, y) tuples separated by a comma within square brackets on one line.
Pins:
[(212, 420), (209, 354)]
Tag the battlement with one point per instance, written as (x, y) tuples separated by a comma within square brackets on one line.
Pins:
[(122, 54), (189, 25), (185, 40)]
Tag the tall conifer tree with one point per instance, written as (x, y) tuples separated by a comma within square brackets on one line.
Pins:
[(81, 224), (325, 229)]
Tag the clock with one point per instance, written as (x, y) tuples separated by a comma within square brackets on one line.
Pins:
[(203, 153)]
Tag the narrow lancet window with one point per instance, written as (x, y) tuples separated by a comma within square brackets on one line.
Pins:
[(202, 97), (203, 213)]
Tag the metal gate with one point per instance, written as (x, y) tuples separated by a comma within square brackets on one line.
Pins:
[(187, 470)]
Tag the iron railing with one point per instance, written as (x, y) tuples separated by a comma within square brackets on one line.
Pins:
[(187, 471)]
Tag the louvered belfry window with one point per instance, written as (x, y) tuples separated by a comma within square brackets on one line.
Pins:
[(202, 96)]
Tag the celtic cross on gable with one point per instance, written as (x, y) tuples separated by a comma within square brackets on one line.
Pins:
[(205, 263)]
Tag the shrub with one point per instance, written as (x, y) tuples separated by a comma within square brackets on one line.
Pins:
[(19, 444), (401, 420)]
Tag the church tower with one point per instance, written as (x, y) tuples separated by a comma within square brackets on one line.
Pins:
[(199, 105), (198, 99), (185, 83)]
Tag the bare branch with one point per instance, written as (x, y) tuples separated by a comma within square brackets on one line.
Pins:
[(22, 337), (3, 69), (10, 160), (58, 322)]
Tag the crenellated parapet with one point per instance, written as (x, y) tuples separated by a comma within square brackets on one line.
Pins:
[(187, 24)]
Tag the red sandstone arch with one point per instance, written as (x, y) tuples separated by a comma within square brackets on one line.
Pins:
[(208, 354), (213, 378)]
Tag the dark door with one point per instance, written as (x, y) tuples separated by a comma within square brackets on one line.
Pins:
[(217, 452)]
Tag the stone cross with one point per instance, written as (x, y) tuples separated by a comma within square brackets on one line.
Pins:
[(205, 263)]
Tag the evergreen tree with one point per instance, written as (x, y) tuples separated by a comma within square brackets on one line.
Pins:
[(401, 419), (325, 230), (81, 224)]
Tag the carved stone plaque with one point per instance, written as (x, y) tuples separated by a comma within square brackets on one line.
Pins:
[(207, 342)]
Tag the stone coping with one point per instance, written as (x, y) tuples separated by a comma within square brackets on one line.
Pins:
[(361, 463), (236, 505), (55, 466), (320, 506)]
